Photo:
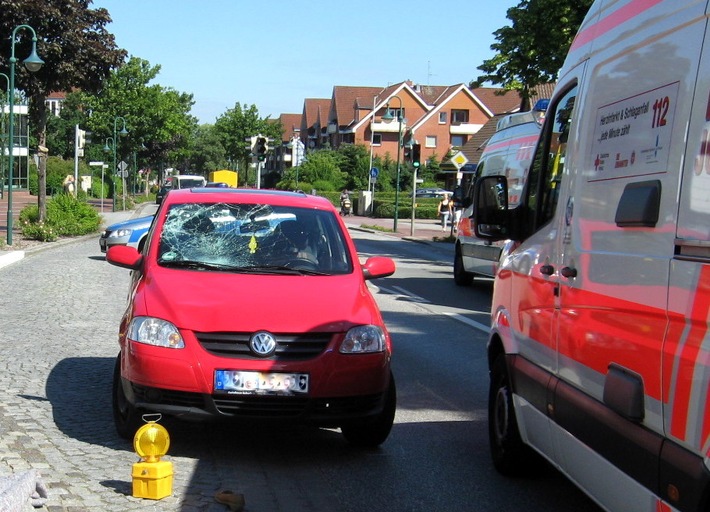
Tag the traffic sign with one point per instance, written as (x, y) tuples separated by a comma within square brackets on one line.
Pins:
[(459, 160), (374, 172)]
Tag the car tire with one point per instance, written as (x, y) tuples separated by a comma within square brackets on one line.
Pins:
[(372, 432), (126, 417), (511, 457), (461, 277)]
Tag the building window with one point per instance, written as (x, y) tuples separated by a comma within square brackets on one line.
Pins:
[(430, 141), (376, 139), (458, 140), (396, 113), (442, 117), (459, 116)]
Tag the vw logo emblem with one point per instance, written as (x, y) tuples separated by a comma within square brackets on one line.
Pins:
[(262, 344)]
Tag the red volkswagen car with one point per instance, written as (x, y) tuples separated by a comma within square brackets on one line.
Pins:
[(252, 304)]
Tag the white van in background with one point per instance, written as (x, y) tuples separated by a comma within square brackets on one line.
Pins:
[(599, 352), (187, 181), (508, 152)]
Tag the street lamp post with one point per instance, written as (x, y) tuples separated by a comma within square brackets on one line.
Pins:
[(114, 143), (400, 119), (3, 136), (33, 63)]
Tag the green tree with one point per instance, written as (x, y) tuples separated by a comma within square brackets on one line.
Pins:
[(531, 51), (207, 153), (157, 118), (321, 170), (237, 125), (355, 163), (77, 50)]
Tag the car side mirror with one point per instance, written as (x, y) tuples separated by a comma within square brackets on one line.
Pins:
[(124, 257), (378, 266)]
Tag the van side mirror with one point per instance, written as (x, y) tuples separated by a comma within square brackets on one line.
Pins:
[(461, 198), (490, 208)]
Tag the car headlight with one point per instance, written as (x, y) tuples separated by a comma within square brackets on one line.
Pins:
[(363, 339), (154, 331), (120, 232)]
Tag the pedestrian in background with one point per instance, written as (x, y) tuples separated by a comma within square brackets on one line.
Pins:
[(69, 184), (445, 210)]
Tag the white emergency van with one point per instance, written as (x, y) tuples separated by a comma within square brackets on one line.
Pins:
[(187, 181), (599, 350), (508, 152)]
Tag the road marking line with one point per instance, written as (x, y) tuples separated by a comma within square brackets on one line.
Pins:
[(400, 292), (412, 295)]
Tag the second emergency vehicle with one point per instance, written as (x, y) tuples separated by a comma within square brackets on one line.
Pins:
[(508, 152), (599, 352)]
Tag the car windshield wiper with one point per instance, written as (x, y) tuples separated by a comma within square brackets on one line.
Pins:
[(282, 269), (199, 265)]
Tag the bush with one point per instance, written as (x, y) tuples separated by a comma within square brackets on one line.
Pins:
[(66, 216)]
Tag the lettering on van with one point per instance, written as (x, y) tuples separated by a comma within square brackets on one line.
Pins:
[(632, 136)]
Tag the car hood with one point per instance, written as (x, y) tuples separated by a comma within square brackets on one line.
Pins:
[(216, 301), (140, 222)]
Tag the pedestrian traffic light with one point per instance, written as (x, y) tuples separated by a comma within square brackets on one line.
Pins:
[(261, 148), (416, 154), (407, 153)]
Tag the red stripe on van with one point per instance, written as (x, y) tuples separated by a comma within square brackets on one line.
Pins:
[(689, 360), (530, 139), (616, 18)]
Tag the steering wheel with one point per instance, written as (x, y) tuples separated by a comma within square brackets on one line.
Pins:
[(303, 263)]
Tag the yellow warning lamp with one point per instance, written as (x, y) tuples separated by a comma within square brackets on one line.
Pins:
[(152, 478)]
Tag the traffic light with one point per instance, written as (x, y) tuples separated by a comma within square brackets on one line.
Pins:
[(416, 154), (407, 153), (82, 138), (261, 148)]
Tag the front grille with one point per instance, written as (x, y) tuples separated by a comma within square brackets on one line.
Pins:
[(168, 397), (322, 411), (296, 406), (262, 406), (289, 347)]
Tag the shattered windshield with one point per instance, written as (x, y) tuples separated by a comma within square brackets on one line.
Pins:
[(258, 238)]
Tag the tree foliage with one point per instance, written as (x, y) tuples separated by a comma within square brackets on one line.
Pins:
[(237, 125), (532, 50), (207, 153), (157, 118), (77, 50)]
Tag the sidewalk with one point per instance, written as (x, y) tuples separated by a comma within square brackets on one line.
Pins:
[(9, 256), (422, 230)]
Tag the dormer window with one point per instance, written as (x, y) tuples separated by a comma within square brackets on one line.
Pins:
[(459, 116)]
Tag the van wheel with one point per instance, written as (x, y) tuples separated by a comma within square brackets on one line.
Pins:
[(511, 457), (126, 417), (372, 432), (461, 277)]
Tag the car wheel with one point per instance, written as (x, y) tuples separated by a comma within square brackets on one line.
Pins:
[(461, 277), (372, 432), (126, 417), (510, 455)]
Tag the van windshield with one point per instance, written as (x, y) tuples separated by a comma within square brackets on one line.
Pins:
[(190, 182)]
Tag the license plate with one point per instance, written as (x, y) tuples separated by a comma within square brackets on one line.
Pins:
[(260, 383)]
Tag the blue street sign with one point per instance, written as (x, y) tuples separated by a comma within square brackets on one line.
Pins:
[(374, 172)]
